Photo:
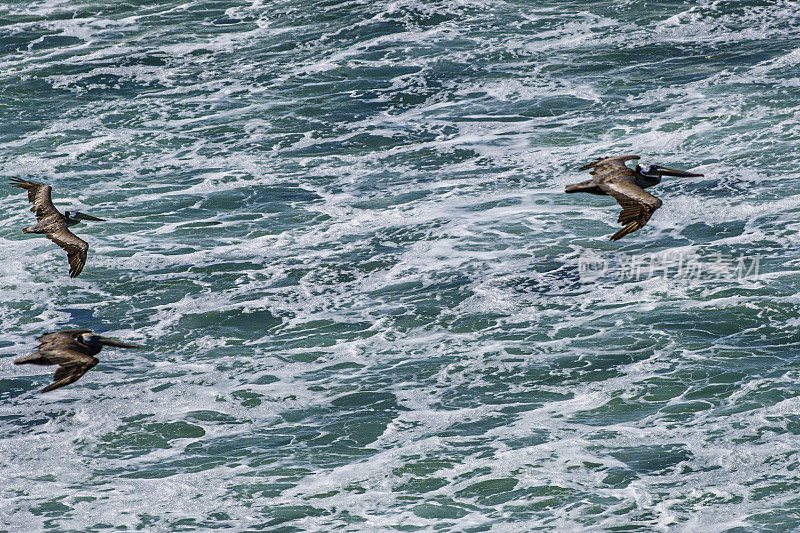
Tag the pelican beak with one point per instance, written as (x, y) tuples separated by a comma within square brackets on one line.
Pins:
[(105, 341), (664, 171), (83, 216)]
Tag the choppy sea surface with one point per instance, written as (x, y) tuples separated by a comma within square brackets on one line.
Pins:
[(338, 230)]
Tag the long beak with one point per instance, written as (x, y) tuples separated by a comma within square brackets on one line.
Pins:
[(84, 216), (664, 171), (119, 344)]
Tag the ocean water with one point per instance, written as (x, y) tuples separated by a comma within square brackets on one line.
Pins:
[(338, 230)]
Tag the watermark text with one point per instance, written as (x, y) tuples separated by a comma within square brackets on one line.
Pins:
[(668, 265)]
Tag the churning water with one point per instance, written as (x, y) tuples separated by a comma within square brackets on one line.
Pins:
[(339, 232)]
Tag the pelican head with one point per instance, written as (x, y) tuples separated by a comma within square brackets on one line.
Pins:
[(77, 216), (652, 174), (90, 339)]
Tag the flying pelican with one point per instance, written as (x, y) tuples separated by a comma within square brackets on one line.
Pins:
[(54, 225), (73, 350), (612, 177)]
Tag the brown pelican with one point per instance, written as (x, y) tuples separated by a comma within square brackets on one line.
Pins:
[(72, 350), (612, 177), (54, 225)]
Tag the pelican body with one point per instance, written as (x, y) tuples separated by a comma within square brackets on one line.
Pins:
[(612, 177), (73, 350), (54, 225)]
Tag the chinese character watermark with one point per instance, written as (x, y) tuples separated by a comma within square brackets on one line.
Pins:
[(667, 265)]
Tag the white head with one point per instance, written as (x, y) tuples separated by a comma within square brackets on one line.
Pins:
[(90, 339), (645, 168)]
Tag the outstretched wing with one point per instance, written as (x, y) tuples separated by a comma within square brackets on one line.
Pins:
[(60, 348), (609, 164), (76, 249), (39, 196), (66, 336), (637, 205), (72, 371), (55, 349)]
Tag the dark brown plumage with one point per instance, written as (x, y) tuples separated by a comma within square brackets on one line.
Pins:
[(73, 350), (54, 225), (612, 177)]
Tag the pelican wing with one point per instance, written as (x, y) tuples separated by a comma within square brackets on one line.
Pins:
[(609, 164), (71, 371), (637, 205), (56, 353), (76, 248), (39, 196), (66, 336)]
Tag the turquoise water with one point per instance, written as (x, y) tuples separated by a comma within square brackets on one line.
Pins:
[(339, 233)]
